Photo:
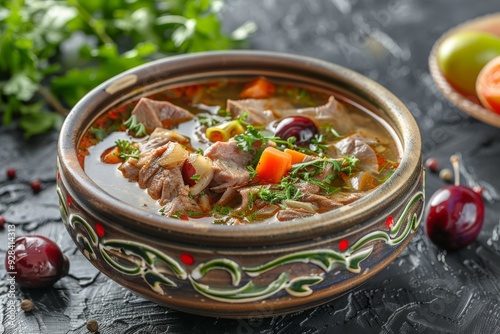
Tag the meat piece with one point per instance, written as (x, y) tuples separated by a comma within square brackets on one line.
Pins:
[(156, 114), (333, 112), (155, 184), (322, 202), (181, 203), (289, 214), (346, 198), (228, 196), (228, 151), (169, 135), (245, 198), (130, 170), (355, 145), (151, 144), (146, 114), (148, 165), (227, 174), (309, 188), (260, 111), (173, 185), (229, 165), (162, 183)]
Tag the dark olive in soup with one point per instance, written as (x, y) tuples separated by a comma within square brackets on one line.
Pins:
[(239, 151)]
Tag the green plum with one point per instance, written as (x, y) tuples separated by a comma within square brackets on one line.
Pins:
[(462, 55)]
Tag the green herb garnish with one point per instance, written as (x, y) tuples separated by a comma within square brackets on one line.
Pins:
[(137, 127), (252, 135), (127, 149)]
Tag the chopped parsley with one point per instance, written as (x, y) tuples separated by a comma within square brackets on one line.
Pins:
[(308, 172), (286, 190), (127, 149), (252, 135)]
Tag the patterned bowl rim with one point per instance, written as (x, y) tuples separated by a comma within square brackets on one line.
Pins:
[(205, 64)]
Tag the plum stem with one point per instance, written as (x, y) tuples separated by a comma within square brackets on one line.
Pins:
[(456, 168)]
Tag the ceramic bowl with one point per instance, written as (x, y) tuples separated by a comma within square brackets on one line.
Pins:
[(469, 104), (245, 271)]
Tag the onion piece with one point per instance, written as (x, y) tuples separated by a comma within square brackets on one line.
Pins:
[(301, 205), (169, 134), (174, 155), (204, 169)]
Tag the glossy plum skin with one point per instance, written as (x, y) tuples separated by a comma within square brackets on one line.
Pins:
[(300, 127), (454, 217), (39, 262)]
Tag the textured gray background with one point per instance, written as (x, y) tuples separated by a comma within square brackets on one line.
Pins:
[(425, 290)]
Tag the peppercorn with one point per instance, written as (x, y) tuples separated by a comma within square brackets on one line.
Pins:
[(27, 305), (446, 175), (92, 325)]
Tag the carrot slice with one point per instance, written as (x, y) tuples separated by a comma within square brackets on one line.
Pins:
[(273, 165), (257, 89), (110, 156), (297, 157)]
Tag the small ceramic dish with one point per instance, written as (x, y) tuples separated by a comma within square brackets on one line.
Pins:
[(469, 104), (255, 270)]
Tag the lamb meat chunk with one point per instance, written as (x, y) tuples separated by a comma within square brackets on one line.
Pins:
[(151, 144), (289, 214), (130, 170), (172, 185), (227, 197), (155, 184), (229, 165), (332, 112), (168, 135), (307, 188), (228, 174), (346, 198), (245, 198), (260, 111), (228, 151), (181, 203), (355, 145), (157, 114), (146, 114), (323, 203), (148, 165)]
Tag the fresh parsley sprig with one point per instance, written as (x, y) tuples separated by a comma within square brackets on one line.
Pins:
[(252, 135)]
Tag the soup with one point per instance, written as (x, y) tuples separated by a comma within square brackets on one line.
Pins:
[(239, 152)]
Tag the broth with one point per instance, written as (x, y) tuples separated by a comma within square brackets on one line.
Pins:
[(238, 152)]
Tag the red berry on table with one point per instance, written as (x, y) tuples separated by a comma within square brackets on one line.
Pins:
[(432, 164), (11, 173), (454, 215), (36, 186), (38, 262)]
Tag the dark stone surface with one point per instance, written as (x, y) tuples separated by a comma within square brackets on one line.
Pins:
[(425, 290)]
